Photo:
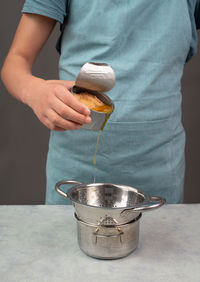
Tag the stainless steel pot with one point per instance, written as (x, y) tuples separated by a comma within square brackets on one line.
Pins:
[(99, 201), (108, 241)]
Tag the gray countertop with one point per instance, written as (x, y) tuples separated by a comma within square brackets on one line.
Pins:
[(39, 243)]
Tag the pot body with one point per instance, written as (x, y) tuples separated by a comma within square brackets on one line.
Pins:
[(108, 242)]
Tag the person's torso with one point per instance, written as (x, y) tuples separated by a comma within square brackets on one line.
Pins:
[(142, 145), (146, 43)]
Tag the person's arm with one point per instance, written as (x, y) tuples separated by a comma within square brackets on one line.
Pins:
[(51, 100)]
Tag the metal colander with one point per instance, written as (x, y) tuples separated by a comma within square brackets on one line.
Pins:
[(107, 195), (95, 202)]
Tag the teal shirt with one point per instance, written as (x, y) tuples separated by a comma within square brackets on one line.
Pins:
[(56, 9), (147, 43)]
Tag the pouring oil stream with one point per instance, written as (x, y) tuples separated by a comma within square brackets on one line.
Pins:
[(96, 148)]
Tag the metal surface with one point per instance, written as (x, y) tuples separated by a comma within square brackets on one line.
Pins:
[(108, 242), (96, 78), (96, 202), (108, 222)]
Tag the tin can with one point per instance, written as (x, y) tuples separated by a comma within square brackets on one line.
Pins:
[(95, 79)]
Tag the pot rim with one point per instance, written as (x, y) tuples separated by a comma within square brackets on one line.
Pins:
[(107, 226)]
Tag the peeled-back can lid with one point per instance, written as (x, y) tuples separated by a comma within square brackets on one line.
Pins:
[(96, 76)]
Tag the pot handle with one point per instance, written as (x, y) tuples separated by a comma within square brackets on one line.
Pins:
[(109, 235), (155, 202), (119, 234), (62, 182)]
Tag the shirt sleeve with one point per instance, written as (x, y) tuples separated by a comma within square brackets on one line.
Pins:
[(197, 14), (55, 9)]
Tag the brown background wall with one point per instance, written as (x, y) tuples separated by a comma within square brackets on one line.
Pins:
[(24, 141)]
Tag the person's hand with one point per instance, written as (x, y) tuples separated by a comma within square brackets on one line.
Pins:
[(55, 106), (51, 100)]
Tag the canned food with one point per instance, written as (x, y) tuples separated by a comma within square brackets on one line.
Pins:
[(92, 80), (98, 117)]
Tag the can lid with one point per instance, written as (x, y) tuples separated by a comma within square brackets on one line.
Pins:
[(96, 76)]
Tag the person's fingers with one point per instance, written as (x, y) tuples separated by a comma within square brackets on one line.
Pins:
[(66, 83), (67, 98), (58, 121), (68, 113), (51, 126)]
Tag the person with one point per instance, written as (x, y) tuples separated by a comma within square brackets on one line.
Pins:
[(147, 43)]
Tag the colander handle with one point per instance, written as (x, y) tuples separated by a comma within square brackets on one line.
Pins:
[(155, 202), (64, 182)]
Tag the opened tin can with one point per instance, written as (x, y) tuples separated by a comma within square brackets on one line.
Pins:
[(95, 79)]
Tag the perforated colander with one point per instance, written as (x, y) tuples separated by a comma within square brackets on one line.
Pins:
[(94, 202)]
